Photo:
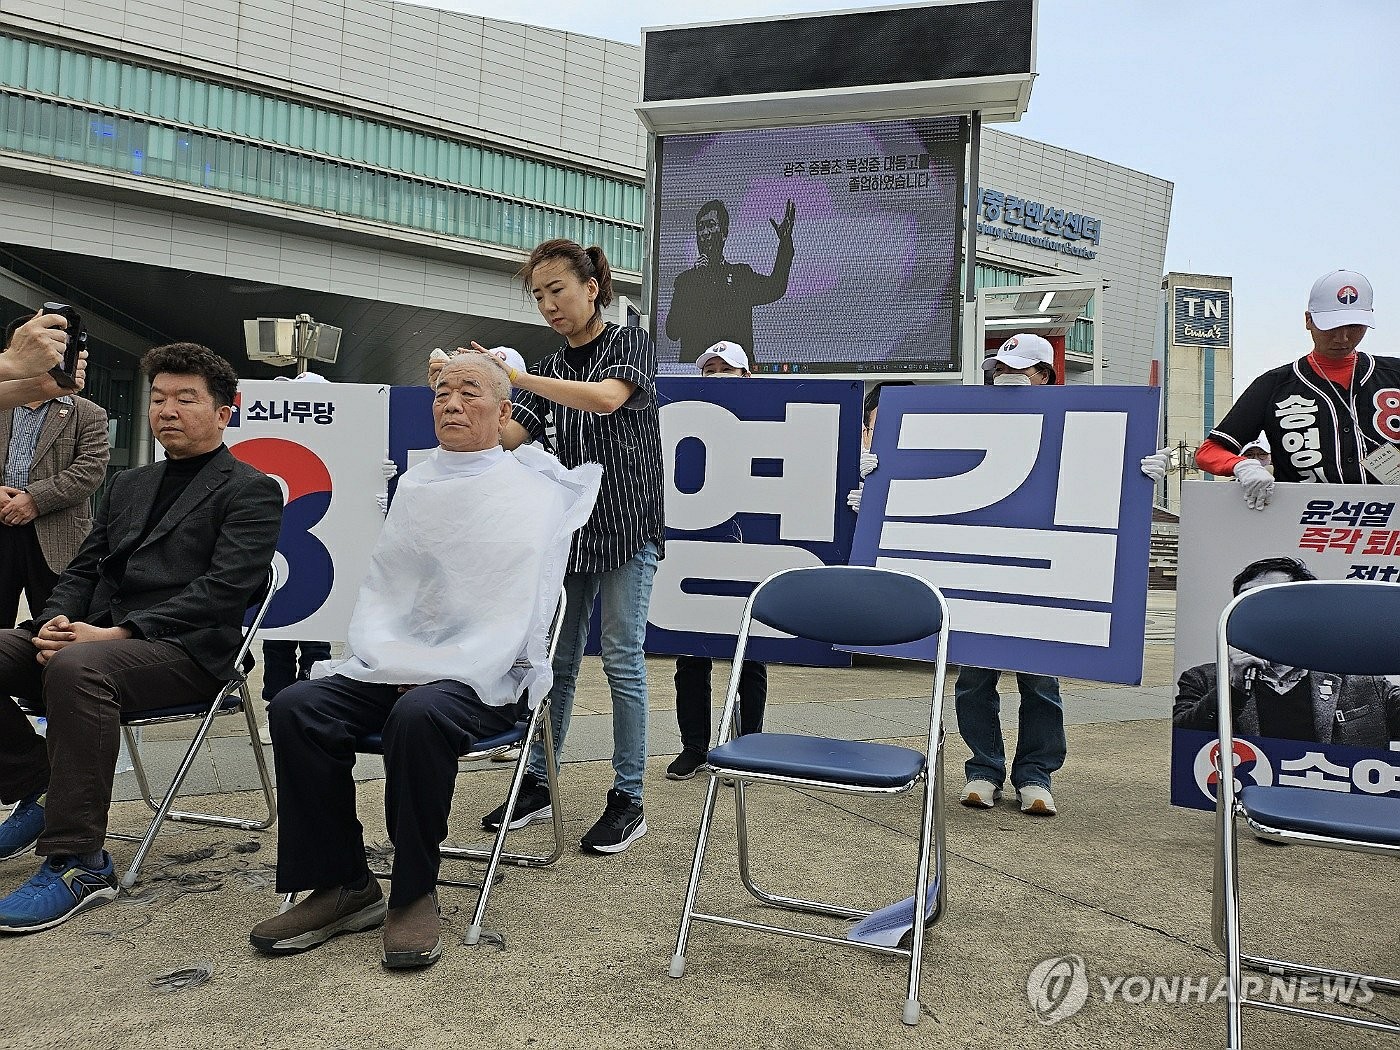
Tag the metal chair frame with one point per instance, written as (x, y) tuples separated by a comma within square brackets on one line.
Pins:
[(220, 705), (931, 832), (539, 727), (1226, 892)]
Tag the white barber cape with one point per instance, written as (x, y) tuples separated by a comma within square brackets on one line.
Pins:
[(465, 577)]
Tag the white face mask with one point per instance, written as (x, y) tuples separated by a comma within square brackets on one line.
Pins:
[(1012, 379)]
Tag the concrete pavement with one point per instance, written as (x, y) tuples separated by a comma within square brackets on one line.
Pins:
[(1119, 878)]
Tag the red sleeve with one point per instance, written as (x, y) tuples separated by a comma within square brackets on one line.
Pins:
[(1215, 458)]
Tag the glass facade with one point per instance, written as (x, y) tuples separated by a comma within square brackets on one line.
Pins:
[(147, 123), (1078, 340)]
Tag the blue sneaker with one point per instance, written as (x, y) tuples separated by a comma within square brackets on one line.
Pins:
[(22, 827), (60, 890)]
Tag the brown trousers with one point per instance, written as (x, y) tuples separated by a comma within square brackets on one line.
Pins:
[(83, 690)]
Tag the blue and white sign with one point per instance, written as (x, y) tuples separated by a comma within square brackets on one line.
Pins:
[(1201, 317), (757, 472), (1295, 727), (1026, 506)]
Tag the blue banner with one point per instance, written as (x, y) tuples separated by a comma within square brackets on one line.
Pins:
[(757, 472), (1269, 761), (1027, 507)]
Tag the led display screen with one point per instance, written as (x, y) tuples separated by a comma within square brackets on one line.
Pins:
[(817, 249)]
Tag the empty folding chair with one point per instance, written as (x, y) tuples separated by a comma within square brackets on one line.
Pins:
[(535, 726), (1345, 628), (852, 606)]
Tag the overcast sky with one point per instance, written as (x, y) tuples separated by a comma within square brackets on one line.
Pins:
[(1278, 122)]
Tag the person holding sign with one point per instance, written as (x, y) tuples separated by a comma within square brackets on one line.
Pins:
[(1023, 360), (1332, 416), (599, 391), (693, 672)]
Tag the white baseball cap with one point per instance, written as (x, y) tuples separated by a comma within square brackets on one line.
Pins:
[(511, 357), (731, 354), (1022, 351), (1339, 298)]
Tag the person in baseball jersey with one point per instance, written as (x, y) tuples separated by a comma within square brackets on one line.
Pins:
[(1332, 416)]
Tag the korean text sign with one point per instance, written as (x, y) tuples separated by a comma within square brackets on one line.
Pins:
[(323, 443), (1027, 508), (1293, 727), (756, 476)]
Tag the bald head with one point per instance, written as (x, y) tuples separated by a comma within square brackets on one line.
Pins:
[(482, 370)]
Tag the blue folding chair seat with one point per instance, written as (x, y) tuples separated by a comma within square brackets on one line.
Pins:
[(818, 760), (849, 605), (1361, 818), (1335, 627)]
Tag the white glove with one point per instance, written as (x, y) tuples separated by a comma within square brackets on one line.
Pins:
[(391, 469), (382, 502), (868, 462), (1156, 465), (853, 498), (1256, 482)]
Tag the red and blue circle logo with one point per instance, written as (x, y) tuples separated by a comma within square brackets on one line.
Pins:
[(1251, 766), (1346, 295)]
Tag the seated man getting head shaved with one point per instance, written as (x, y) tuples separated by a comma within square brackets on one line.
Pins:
[(448, 633)]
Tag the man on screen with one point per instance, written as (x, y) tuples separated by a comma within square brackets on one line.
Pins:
[(1289, 703), (713, 301)]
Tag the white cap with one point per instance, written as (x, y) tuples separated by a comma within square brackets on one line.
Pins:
[(305, 377), (1341, 297), (731, 354), (1022, 351), (511, 357), (1261, 443)]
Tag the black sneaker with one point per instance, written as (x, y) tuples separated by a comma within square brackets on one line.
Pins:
[(686, 765), (532, 804), (621, 824)]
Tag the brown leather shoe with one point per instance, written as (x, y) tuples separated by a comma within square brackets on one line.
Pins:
[(320, 916), (413, 935)]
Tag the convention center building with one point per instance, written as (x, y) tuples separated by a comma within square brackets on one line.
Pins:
[(172, 168)]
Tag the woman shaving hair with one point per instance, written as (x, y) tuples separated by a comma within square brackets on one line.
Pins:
[(599, 391)]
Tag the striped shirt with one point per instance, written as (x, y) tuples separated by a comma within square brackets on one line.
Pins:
[(627, 443), (24, 438)]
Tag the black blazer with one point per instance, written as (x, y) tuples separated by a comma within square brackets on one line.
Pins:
[(193, 577)]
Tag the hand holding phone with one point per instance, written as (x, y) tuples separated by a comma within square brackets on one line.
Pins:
[(65, 373)]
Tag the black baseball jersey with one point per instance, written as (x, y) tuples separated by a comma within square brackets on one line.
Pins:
[(1317, 430)]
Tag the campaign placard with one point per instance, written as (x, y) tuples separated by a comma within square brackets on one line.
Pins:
[(1293, 727), (324, 443), (756, 476), (1027, 508)]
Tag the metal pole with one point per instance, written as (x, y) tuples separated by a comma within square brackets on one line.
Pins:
[(969, 318)]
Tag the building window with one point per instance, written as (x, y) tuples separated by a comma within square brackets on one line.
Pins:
[(149, 123)]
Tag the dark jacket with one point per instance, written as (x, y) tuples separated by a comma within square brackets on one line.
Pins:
[(1360, 711), (191, 580)]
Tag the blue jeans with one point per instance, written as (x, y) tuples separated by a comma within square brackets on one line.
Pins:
[(1040, 743), (626, 593)]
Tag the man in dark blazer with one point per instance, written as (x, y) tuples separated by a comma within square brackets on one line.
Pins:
[(55, 457), (149, 614)]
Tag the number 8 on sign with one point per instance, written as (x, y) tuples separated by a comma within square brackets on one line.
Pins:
[(310, 568)]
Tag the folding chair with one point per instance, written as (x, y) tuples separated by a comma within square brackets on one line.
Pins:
[(231, 698), (841, 605), (535, 726), (1338, 627)]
